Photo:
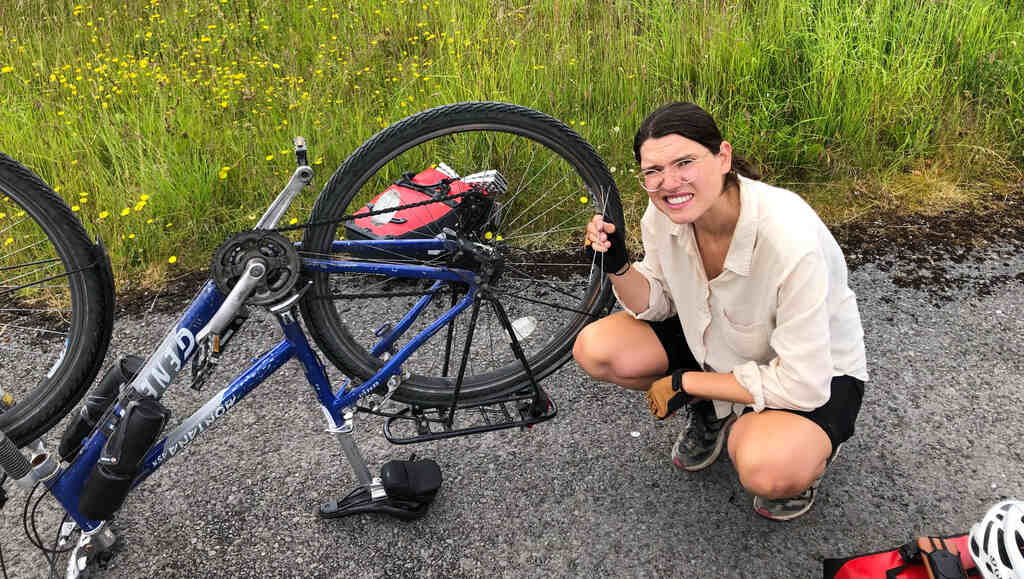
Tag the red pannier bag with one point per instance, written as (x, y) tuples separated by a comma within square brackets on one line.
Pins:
[(428, 220), (903, 562)]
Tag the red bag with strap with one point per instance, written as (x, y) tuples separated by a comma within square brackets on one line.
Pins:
[(903, 562), (440, 183)]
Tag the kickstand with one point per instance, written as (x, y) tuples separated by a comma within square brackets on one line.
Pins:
[(369, 496)]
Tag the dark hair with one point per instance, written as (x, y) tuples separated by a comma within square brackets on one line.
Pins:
[(690, 121)]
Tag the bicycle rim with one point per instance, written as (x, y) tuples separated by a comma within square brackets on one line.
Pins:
[(550, 287)]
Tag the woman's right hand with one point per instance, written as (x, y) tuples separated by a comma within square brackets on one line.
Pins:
[(597, 233), (605, 238)]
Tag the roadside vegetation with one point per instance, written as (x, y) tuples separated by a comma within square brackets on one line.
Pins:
[(167, 125)]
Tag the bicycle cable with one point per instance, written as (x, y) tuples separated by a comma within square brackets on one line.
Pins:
[(28, 521)]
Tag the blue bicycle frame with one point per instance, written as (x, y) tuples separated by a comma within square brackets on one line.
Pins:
[(181, 345)]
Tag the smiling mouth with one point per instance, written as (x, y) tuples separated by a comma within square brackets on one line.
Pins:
[(678, 199)]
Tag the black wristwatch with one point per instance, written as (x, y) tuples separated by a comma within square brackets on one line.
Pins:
[(677, 386)]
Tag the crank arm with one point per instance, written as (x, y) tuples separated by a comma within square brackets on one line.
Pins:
[(254, 272)]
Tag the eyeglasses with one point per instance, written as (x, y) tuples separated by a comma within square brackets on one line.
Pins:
[(684, 169)]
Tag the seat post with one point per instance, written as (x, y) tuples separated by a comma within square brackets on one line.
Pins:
[(355, 458)]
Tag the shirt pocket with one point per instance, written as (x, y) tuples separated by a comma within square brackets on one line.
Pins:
[(749, 340)]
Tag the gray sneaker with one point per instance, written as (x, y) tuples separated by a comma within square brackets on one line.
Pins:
[(700, 443), (790, 508)]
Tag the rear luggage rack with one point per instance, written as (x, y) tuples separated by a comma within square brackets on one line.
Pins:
[(523, 408)]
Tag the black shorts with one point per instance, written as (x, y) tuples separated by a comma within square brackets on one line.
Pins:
[(836, 417)]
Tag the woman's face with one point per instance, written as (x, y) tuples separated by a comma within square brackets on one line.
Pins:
[(691, 177)]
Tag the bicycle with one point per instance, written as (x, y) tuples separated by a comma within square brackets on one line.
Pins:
[(506, 247)]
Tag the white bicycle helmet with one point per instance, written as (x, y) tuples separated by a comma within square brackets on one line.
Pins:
[(997, 541)]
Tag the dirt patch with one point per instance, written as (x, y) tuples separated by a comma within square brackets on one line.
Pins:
[(173, 296), (926, 252)]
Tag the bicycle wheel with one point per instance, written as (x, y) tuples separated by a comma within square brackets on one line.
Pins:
[(550, 287), (56, 305)]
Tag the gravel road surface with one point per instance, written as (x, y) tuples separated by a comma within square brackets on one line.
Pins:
[(593, 492)]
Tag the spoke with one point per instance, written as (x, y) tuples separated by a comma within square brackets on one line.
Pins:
[(547, 283), (7, 282), (35, 310), (531, 180), (11, 288), (21, 249), (27, 263), (549, 304), (539, 234), (31, 329), (13, 225), (514, 234), (35, 283), (526, 280), (555, 229), (10, 348), (531, 205)]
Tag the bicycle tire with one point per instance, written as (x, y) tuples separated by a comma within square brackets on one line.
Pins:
[(467, 128), (56, 304)]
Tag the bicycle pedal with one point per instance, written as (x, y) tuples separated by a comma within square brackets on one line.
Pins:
[(202, 365)]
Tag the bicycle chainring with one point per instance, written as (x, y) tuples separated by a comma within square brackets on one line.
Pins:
[(275, 250)]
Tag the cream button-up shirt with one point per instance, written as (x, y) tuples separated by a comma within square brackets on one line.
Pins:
[(780, 316)]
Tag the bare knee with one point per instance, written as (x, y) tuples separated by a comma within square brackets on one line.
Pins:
[(608, 356), (621, 350), (777, 454), (591, 353), (772, 480)]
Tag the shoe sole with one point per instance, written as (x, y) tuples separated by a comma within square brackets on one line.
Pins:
[(714, 454), (788, 517)]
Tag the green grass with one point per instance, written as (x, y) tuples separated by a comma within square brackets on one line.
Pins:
[(860, 105)]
